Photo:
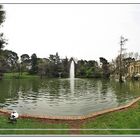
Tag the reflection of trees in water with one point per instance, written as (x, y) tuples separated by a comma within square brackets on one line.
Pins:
[(85, 86), (56, 90), (126, 91), (12, 90), (134, 85), (29, 90), (64, 88), (9, 91), (53, 88), (121, 90), (35, 85), (103, 88)]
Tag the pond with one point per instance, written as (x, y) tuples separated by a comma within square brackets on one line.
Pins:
[(62, 97)]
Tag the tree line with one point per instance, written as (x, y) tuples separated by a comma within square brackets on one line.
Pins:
[(54, 66)]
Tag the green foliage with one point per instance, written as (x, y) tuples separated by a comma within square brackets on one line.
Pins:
[(25, 62), (11, 59), (2, 42), (34, 68), (53, 66), (16, 75), (105, 68), (88, 69), (2, 18)]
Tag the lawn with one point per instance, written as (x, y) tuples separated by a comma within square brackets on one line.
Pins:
[(29, 124), (127, 120), (24, 75)]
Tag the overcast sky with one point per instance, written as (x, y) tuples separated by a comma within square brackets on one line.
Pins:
[(80, 31)]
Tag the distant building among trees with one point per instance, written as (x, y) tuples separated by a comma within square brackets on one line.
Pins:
[(134, 69)]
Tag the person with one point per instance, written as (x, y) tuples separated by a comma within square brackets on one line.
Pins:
[(13, 117)]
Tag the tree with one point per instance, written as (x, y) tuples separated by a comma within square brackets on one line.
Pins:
[(2, 19), (2, 15), (11, 59), (25, 60), (105, 67), (122, 42), (81, 68), (57, 58), (88, 69), (42, 67), (34, 68), (92, 69), (65, 67), (55, 66), (2, 41)]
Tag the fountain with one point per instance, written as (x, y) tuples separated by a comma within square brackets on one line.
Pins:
[(72, 73), (72, 76)]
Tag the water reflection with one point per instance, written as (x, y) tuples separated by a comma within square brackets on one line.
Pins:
[(65, 96), (72, 82)]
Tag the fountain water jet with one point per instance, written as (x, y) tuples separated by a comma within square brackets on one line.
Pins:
[(72, 76), (72, 72)]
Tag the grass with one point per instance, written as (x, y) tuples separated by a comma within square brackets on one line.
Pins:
[(30, 124), (126, 119), (24, 75)]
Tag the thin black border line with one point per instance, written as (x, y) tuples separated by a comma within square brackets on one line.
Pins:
[(123, 3)]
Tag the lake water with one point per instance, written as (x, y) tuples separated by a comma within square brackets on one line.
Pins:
[(64, 97)]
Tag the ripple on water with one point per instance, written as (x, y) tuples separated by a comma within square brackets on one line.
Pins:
[(60, 97)]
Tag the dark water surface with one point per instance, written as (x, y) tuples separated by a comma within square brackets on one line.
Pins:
[(64, 96)]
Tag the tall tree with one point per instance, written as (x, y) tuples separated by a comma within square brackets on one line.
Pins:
[(65, 67), (81, 68), (105, 67), (34, 67), (25, 60), (11, 59), (2, 19), (55, 66), (2, 14), (42, 67), (2, 41), (122, 42)]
